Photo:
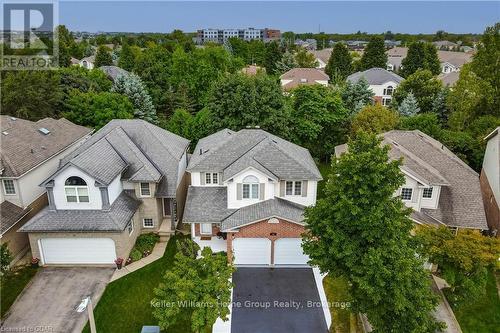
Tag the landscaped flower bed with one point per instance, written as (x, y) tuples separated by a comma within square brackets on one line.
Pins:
[(143, 247)]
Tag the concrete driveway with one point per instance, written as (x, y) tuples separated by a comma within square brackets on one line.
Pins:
[(276, 300), (48, 304)]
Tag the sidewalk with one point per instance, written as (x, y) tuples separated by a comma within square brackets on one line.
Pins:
[(156, 254)]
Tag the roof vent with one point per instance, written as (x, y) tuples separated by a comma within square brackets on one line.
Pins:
[(43, 130), (201, 151), (13, 118), (5, 133), (303, 80)]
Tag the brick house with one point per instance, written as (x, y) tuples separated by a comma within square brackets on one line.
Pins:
[(126, 179), (490, 181), (247, 197)]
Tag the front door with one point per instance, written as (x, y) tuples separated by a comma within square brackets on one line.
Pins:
[(167, 211)]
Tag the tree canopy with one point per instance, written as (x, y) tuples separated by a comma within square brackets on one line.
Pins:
[(423, 85), (374, 54), (374, 119), (339, 64), (103, 57)]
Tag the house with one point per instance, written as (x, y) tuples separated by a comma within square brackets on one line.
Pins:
[(128, 178), (247, 196), (453, 61), (88, 62), (322, 57), (382, 82), (303, 76), (490, 181), (445, 45), (395, 57), (440, 188), (449, 79), (30, 153), (112, 72), (252, 70)]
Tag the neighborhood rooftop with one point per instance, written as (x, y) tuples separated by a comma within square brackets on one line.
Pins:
[(375, 76), (26, 144)]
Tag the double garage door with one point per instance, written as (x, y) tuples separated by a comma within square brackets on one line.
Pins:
[(257, 251), (77, 251)]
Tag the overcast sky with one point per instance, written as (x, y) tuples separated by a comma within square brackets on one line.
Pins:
[(298, 16)]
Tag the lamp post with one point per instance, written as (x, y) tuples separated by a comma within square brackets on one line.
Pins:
[(87, 302)]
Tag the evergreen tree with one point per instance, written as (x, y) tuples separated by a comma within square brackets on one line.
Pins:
[(409, 106), (103, 57), (414, 60), (127, 58), (423, 85), (357, 95), (131, 86), (180, 123), (361, 231), (339, 64), (273, 56), (286, 63), (374, 55), (432, 62), (439, 106)]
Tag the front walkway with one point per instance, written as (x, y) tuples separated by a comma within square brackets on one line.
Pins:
[(156, 254), (443, 311)]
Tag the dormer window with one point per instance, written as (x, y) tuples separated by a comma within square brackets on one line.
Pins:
[(406, 193), (427, 193), (145, 190), (293, 188), (76, 190), (250, 187), (212, 178)]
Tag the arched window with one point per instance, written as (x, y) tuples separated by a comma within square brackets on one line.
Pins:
[(76, 190), (388, 91), (250, 187)]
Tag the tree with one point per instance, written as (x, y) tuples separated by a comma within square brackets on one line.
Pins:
[(127, 58), (357, 95), (66, 41), (421, 55), (201, 284), (180, 123), (439, 106), (361, 231), (424, 86), (237, 101), (286, 63), (97, 109), (5, 258), (305, 59), (103, 57), (32, 95), (374, 119), (319, 115), (131, 86), (463, 259), (425, 122), (273, 56), (374, 55), (339, 64), (409, 106)]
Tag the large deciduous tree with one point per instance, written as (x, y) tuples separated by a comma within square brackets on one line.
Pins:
[(374, 119), (361, 231), (200, 286), (272, 58), (424, 86), (305, 59), (127, 57), (374, 55), (339, 64)]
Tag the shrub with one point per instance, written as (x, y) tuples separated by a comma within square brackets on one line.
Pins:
[(136, 255), (5, 258), (146, 242)]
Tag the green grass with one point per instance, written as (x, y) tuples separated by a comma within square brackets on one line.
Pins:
[(338, 296), (325, 170), (125, 305), (482, 315), (12, 284)]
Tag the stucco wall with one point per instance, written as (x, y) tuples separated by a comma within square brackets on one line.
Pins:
[(95, 201)]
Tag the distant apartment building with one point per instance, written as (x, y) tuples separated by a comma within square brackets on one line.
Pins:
[(220, 36)]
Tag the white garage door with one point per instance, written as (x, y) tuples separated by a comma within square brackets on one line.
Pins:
[(288, 251), (252, 251), (77, 250)]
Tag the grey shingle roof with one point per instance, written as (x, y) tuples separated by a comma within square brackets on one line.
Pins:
[(23, 146), (10, 215), (375, 76), (231, 152), (114, 220), (209, 204), (151, 153), (112, 72)]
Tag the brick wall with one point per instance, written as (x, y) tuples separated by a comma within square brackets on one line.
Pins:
[(215, 230), (490, 205)]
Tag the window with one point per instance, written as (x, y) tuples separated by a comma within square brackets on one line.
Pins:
[(250, 187), (145, 191), (206, 228), (427, 192), (215, 178), (406, 193), (293, 188), (8, 187), (130, 227), (388, 91), (212, 178), (148, 223), (386, 101), (75, 189)]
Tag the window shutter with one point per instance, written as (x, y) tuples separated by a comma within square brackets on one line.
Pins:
[(415, 193), (239, 189), (304, 188), (262, 190), (219, 177), (202, 178), (282, 188)]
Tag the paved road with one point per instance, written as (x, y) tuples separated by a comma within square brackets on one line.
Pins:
[(276, 300), (48, 304)]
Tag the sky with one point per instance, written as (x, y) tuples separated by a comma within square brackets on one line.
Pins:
[(297, 16)]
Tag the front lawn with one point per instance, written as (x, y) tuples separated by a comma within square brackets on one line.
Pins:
[(482, 315), (343, 320), (12, 284), (125, 305)]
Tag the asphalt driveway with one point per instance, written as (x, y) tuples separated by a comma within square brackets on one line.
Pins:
[(276, 300), (48, 303)]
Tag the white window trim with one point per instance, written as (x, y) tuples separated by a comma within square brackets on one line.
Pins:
[(148, 226), (13, 184), (140, 190), (130, 232), (210, 178), (250, 191), (76, 192), (294, 182), (427, 188), (203, 232), (411, 195)]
